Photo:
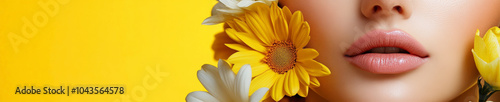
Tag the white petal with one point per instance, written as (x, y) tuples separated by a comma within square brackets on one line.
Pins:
[(218, 6), (200, 96), (210, 79), (216, 16), (244, 4), (227, 76), (242, 82), (257, 95), (210, 69), (212, 20), (229, 3), (232, 12)]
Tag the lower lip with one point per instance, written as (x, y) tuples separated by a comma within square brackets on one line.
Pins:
[(393, 63)]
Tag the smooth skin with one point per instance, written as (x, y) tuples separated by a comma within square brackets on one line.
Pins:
[(445, 28)]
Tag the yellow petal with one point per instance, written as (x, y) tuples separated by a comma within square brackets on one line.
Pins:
[(266, 97), (480, 46), (245, 57), (238, 47), (232, 24), (237, 67), (279, 22), (304, 90), (287, 13), (496, 31), (489, 71), (314, 82), (243, 26), (492, 46), (260, 27), (303, 36), (278, 91), (306, 54), (266, 79), (252, 41), (302, 75), (257, 7), (232, 34), (314, 68), (295, 25), (259, 69), (291, 83), (263, 11)]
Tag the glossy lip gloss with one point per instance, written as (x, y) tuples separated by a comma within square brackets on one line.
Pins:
[(386, 63)]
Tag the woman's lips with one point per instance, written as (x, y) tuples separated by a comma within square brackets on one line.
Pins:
[(362, 52)]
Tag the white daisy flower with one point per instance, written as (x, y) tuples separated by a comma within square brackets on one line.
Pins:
[(224, 86)]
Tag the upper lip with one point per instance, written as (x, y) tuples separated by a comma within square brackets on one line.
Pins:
[(382, 38)]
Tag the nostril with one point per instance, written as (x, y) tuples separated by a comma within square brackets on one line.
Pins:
[(398, 8), (376, 8)]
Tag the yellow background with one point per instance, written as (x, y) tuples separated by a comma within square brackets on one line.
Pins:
[(106, 43)]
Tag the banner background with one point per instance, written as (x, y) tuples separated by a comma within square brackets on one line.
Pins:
[(105, 43)]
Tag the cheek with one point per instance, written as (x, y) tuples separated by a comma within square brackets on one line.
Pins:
[(457, 18), (447, 32)]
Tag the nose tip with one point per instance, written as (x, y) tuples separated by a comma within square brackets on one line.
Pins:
[(385, 8)]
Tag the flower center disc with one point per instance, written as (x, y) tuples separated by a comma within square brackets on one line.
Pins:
[(281, 57)]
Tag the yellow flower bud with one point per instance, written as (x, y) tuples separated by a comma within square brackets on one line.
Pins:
[(486, 55)]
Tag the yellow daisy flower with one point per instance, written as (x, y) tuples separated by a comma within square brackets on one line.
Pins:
[(272, 41)]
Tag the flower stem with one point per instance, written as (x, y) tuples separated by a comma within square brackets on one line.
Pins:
[(485, 91)]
